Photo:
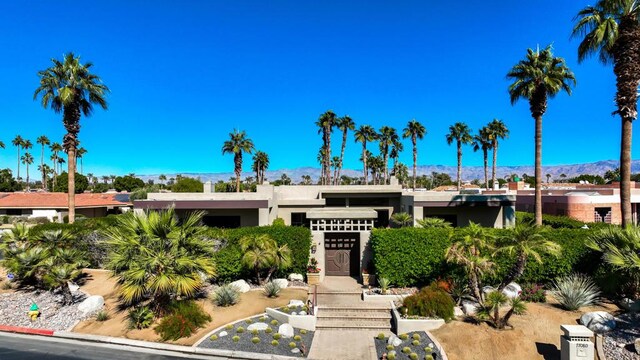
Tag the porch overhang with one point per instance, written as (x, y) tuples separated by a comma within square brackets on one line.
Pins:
[(341, 213)]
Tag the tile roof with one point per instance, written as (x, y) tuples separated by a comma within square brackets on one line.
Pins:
[(45, 200)]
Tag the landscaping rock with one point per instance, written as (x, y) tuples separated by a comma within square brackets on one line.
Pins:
[(241, 285), (260, 326), (294, 313), (636, 344), (293, 303), (457, 311), (91, 304), (392, 352), (630, 305), (598, 321), (223, 334), (286, 330), (296, 277), (73, 287), (394, 340), (470, 307), (302, 312), (295, 350), (487, 289), (512, 290), (283, 283)]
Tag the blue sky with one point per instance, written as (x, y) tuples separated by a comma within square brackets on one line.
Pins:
[(184, 74)]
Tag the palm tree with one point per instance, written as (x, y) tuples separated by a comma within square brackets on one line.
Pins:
[(326, 122), (155, 256), (27, 159), (92, 180), (260, 165), (611, 29), (320, 160), (18, 141), (536, 78), (44, 170), (526, 241), (55, 149), (364, 134), (236, 145), (345, 124), (548, 178), (162, 179), (497, 130), (482, 141), (402, 219), (396, 148), (415, 131), (335, 164), (43, 141), (1, 145), (70, 87), (79, 155), (386, 139), (620, 248), (259, 253), (461, 134)]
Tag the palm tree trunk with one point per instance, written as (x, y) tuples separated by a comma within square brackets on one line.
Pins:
[(364, 160), (505, 320), (238, 169), (486, 169), (415, 160), (515, 272), (386, 167), (344, 145), (71, 161), (493, 166), (473, 285), (27, 164), (327, 155), (18, 177), (625, 173), (459, 163), (42, 167), (538, 171)]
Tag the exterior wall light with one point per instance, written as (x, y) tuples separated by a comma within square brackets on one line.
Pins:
[(313, 249)]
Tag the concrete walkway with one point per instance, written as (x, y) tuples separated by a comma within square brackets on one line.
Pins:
[(343, 345)]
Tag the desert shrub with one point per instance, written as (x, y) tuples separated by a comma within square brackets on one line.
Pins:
[(213, 337), (403, 337), (297, 338), (303, 331), (278, 222), (381, 336), (268, 330), (391, 357), (254, 332), (239, 329), (140, 317), (255, 340), (274, 322), (236, 338), (390, 347), (184, 319), (292, 345), (226, 295), (430, 302), (413, 356), (416, 336), (575, 291), (248, 321), (102, 316), (276, 336), (415, 342), (275, 343), (406, 349), (271, 289), (533, 293)]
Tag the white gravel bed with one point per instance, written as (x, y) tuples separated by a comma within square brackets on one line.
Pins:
[(15, 305), (616, 343)]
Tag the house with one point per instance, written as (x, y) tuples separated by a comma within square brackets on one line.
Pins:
[(54, 206), (340, 217)]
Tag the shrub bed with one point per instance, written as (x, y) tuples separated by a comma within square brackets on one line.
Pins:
[(185, 318)]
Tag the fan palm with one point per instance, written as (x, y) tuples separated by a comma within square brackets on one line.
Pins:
[(415, 131), (18, 141), (460, 133), (620, 248), (497, 130), (402, 219), (63, 266), (536, 78), (344, 123), (79, 155), (611, 29), (325, 123), (388, 136), (70, 87), (43, 141), (260, 165), (364, 134), (237, 144), (27, 159), (482, 141), (261, 253)]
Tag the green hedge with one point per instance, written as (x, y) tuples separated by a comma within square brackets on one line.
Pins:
[(415, 256), (558, 222), (228, 265)]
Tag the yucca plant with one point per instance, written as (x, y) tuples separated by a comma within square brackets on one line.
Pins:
[(226, 295), (272, 289), (575, 291), (432, 222), (490, 310), (140, 317), (384, 285)]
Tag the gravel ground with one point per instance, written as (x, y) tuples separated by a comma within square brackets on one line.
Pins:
[(264, 346), (393, 291), (15, 305), (616, 343), (381, 347)]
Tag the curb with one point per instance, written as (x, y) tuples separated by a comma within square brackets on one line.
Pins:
[(25, 330)]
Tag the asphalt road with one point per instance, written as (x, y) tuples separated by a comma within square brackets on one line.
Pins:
[(29, 347)]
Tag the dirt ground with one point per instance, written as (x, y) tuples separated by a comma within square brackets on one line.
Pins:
[(536, 335), (100, 283), (3, 280)]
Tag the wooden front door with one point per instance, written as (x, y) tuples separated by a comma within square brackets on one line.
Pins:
[(341, 254)]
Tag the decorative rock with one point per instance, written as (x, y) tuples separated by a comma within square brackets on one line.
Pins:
[(512, 290), (286, 330), (302, 312), (296, 277), (283, 283), (294, 313), (295, 350), (223, 334), (636, 344), (91, 304), (241, 285), (598, 321), (470, 307), (394, 340), (630, 305), (295, 303), (73, 287), (487, 289), (457, 311), (260, 326)]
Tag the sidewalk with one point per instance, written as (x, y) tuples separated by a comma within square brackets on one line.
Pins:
[(343, 345)]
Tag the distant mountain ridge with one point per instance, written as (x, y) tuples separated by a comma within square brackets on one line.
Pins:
[(468, 172)]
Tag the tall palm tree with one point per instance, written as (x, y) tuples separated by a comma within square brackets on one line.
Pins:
[(18, 141), (80, 152), (394, 154), (55, 149), (27, 159), (70, 87), (162, 179), (1, 145), (236, 145), (459, 133), (611, 29), (497, 130), (482, 141), (536, 78), (260, 165), (43, 141), (415, 131), (344, 123), (44, 170), (386, 138), (320, 160), (326, 122), (364, 134)]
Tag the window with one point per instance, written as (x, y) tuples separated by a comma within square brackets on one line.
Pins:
[(299, 219), (341, 202), (383, 219), (602, 214), (14, 212), (225, 222)]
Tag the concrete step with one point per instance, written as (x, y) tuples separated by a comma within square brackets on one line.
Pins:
[(353, 315), (362, 306), (362, 324)]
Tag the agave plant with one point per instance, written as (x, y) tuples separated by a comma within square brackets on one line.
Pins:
[(575, 291), (272, 289), (384, 285), (226, 295)]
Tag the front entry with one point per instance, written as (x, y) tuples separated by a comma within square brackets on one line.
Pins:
[(342, 254)]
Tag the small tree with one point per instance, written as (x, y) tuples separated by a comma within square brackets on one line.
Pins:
[(262, 253), (490, 310), (402, 219)]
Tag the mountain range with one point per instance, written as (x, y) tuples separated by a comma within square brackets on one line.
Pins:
[(468, 172)]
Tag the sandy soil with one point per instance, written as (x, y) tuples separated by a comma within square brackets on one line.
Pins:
[(536, 335), (100, 283), (3, 279)]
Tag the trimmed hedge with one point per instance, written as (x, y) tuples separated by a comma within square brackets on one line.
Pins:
[(228, 258), (415, 256), (557, 221)]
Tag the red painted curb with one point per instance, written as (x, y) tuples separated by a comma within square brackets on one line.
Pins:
[(24, 330)]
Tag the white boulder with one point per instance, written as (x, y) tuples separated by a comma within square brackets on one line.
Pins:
[(512, 290), (223, 334), (470, 307), (630, 305), (457, 311), (282, 283), (286, 330), (636, 344), (394, 340), (294, 313), (488, 289), (293, 303), (73, 287), (598, 321), (296, 277), (295, 350), (91, 304), (241, 285), (302, 312), (260, 326)]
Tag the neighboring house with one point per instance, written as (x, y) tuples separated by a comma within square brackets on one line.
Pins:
[(340, 217), (54, 206)]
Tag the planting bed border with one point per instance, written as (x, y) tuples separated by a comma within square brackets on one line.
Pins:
[(404, 326), (378, 298), (307, 322)]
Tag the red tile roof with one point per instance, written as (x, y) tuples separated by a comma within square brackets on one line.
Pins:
[(59, 200)]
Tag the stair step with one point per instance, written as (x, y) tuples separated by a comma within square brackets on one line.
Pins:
[(351, 316), (361, 308), (383, 324)]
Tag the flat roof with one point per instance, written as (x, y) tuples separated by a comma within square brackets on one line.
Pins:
[(56, 200)]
